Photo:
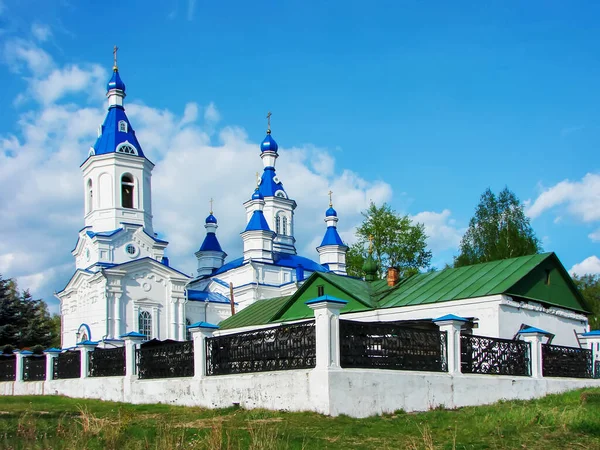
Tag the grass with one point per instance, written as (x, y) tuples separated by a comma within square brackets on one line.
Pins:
[(566, 421)]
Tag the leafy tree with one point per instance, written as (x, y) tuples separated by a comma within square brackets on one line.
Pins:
[(498, 230), (589, 286), (397, 242)]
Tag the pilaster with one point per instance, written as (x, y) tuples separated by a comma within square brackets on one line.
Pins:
[(51, 353), (132, 339), (535, 336), (85, 348), (327, 330), (452, 325), (200, 332)]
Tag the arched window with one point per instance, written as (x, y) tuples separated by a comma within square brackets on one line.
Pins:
[(123, 126), (277, 224), (127, 191), (145, 323), (285, 226), (90, 196)]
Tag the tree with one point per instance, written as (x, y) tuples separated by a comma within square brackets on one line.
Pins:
[(498, 230), (397, 242), (589, 286)]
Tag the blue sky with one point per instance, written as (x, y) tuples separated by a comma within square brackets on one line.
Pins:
[(421, 104)]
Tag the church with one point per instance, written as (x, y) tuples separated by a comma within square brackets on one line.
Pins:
[(123, 282)]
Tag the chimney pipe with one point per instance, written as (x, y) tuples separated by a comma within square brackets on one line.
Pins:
[(392, 277)]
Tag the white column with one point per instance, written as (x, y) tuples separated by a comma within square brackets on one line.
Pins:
[(591, 341), (51, 353), (327, 330), (534, 336), (181, 319), (136, 319), (117, 314), (173, 319), (452, 325), (19, 363), (155, 323), (131, 340), (200, 332), (85, 348)]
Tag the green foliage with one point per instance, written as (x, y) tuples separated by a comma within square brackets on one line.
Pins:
[(24, 321), (498, 230), (589, 286), (397, 242)]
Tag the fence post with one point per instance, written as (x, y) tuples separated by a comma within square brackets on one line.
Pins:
[(50, 353), (534, 337), (131, 340), (200, 331), (591, 341), (327, 330), (452, 325), (85, 348), (19, 363)]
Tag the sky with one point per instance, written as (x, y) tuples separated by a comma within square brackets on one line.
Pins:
[(423, 105)]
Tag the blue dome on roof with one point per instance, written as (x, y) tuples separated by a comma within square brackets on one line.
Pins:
[(211, 219), (268, 144), (257, 195), (331, 212), (115, 82)]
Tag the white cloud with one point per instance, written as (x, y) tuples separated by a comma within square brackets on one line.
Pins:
[(69, 80), (22, 55), (580, 199), (41, 32), (589, 265), (441, 229), (211, 114)]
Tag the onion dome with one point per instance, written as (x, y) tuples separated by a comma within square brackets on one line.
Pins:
[(331, 212), (257, 195), (370, 268), (268, 144), (211, 219), (115, 82)]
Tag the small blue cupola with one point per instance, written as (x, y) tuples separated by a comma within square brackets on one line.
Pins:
[(210, 255), (331, 212), (115, 82), (332, 251), (268, 144)]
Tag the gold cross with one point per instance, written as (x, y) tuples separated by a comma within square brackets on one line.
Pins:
[(211, 205), (257, 179), (269, 122), (330, 203), (115, 49), (371, 243)]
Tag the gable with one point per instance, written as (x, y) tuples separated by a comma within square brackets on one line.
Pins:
[(549, 283)]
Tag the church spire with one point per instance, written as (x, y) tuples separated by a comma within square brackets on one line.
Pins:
[(210, 255), (332, 251)]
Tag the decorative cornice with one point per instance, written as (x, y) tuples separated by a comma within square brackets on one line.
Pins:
[(529, 306)]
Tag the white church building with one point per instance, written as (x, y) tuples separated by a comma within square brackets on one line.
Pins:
[(123, 282)]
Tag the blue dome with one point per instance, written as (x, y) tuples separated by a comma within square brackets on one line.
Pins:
[(331, 212), (257, 195), (211, 219), (115, 82), (268, 144)]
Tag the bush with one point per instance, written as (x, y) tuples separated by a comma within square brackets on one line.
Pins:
[(7, 349), (37, 349)]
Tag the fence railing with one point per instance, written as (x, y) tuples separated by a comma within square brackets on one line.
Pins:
[(8, 367), (597, 369), (381, 345), (67, 365), (107, 362), (494, 356), (573, 362), (165, 360), (34, 368), (284, 347)]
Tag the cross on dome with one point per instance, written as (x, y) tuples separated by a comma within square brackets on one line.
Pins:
[(269, 122), (115, 67), (211, 205)]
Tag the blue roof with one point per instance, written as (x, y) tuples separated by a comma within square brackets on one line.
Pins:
[(268, 144), (133, 334), (88, 342), (103, 233), (533, 330), (115, 82), (280, 259), (268, 186), (203, 325), (52, 350), (211, 219), (450, 317), (326, 298), (331, 212), (257, 222), (111, 137), (332, 237), (203, 296), (592, 333), (211, 244), (256, 195)]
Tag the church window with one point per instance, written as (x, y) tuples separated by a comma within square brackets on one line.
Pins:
[(127, 148), (279, 194), (90, 196), (145, 323), (127, 191), (277, 224), (130, 249), (285, 226), (123, 126)]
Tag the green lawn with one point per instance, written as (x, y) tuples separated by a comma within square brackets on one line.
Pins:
[(567, 421)]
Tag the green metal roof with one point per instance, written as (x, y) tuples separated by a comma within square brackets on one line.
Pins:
[(258, 313)]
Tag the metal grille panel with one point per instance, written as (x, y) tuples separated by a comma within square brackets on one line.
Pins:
[(573, 362), (7, 367), (67, 365), (34, 368), (166, 361), (107, 362), (494, 356), (382, 345), (285, 347)]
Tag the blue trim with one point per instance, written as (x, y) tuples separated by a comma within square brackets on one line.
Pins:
[(87, 327), (153, 260), (133, 334), (112, 340), (221, 282), (203, 296), (592, 333), (532, 330), (450, 317), (212, 326), (26, 352), (326, 299), (53, 350), (88, 342), (91, 234)]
